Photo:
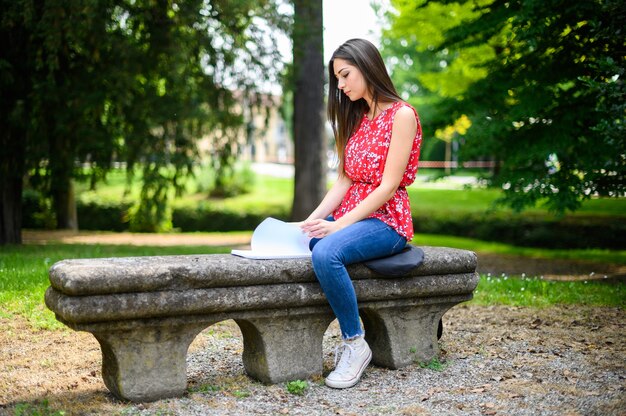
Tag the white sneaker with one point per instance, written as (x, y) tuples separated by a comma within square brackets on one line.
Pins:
[(355, 356)]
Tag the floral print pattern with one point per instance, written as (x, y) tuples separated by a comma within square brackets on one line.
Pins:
[(364, 163)]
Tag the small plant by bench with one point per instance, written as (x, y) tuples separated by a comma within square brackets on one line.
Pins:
[(145, 311)]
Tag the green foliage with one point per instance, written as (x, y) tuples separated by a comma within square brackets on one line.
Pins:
[(297, 387), (37, 210), (104, 216), (205, 218), (434, 364), (541, 81), (139, 82), (38, 409), (152, 213), (230, 180), (423, 72), (528, 230)]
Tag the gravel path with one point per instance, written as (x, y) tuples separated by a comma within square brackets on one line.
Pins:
[(494, 361)]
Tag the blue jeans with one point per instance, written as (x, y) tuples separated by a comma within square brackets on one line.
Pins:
[(365, 240)]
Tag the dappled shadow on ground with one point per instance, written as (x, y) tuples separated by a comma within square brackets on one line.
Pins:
[(497, 360)]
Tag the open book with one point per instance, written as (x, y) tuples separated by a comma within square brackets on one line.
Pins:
[(275, 239)]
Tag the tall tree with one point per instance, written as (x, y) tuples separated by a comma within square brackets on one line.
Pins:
[(135, 81), (549, 101), (308, 103), (13, 119), (426, 73)]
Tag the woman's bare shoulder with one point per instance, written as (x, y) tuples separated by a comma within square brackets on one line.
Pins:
[(405, 114)]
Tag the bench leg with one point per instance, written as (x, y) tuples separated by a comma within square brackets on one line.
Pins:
[(283, 348), (400, 336), (146, 364)]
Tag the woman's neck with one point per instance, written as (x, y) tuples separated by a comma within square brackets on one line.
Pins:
[(376, 110)]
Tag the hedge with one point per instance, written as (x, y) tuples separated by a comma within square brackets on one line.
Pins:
[(531, 231), (521, 230)]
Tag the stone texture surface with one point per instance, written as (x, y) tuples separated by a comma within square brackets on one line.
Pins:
[(402, 335), (145, 311), (134, 305), (285, 348), (156, 273), (146, 364)]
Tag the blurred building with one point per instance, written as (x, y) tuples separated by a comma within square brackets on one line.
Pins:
[(264, 136)]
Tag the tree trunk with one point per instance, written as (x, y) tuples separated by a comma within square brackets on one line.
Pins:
[(13, 119), (61, 169), (11, 183), (308, 124), (65, 206)]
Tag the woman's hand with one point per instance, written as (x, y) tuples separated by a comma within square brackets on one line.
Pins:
[(319, 228)]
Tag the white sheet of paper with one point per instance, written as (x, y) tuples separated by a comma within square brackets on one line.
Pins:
[(275, 239)]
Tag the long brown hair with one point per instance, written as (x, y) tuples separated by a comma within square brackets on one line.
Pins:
[(345, 115)]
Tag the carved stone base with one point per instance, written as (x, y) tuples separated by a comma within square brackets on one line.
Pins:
[(146, 364), (402, 335), (284, 348)]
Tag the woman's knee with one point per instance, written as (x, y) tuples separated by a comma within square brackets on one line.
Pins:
[(324, 255)]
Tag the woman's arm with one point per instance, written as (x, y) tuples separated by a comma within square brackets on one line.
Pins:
[(402, 136), (333, 198)]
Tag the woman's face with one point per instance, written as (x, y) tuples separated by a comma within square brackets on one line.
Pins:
[(350, 80)]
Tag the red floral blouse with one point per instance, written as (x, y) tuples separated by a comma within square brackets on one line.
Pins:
[(364, 163)]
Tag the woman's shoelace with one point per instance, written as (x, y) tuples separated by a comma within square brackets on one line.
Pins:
[(344, 354)]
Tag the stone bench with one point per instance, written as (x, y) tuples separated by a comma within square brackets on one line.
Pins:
[(145, 311)]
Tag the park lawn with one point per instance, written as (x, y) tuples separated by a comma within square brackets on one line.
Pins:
[(274, 194), (113, 190), (271, 193), (24, 275), (595, 255), (24, 272)]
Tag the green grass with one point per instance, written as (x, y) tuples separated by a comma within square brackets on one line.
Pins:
[(434, 364), (278, 192), (113, 190), (597, 255), (269, 194), (24, 273), (451, 201), (37, 409), (532, 291), (538, 293), (272, 192), (480, 200)]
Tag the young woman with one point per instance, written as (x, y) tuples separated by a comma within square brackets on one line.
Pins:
[(366, 213)]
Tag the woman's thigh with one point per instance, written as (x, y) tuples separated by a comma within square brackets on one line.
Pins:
[(364, 240)]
